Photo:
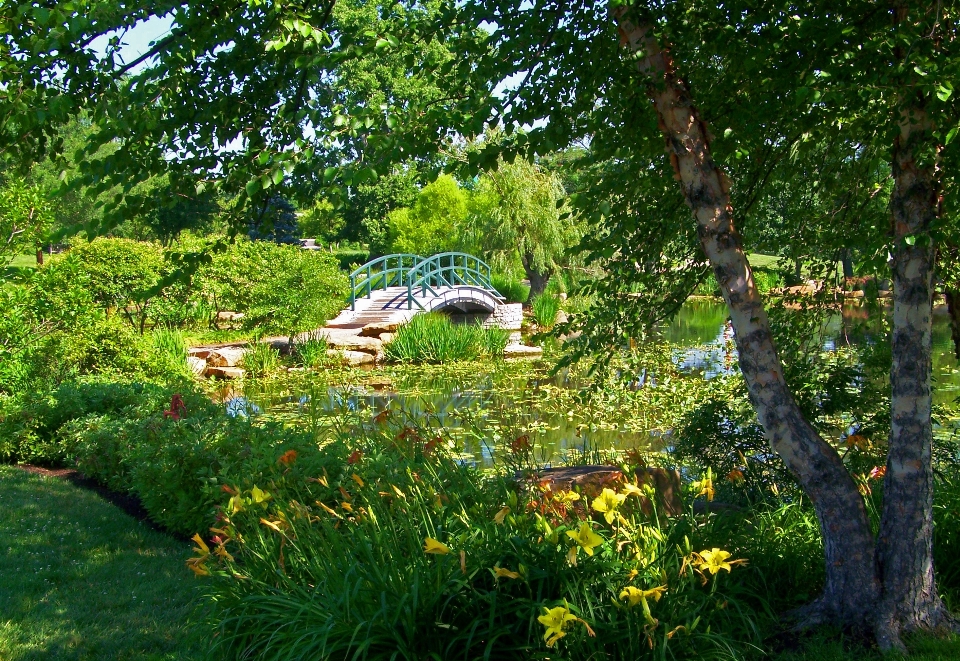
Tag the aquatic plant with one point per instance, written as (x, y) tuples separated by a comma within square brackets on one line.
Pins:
[(261, 359), (545, 308), (433, 338)]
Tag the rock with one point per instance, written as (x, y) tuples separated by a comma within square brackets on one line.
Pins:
[(853, 294), (378, 328), (197, 365), (199, 352), (226, 372), (590, 481), (387, 338), (516, 337), (352, 358), (521, 351), (379, 383), (562, 297), (352, 342), (562, 317), (225, 357), (229, 316)]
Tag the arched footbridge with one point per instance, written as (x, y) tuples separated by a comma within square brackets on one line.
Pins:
[(394, 288)]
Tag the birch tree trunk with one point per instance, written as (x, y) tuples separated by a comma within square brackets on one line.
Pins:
[(852, 589), (905, 545)]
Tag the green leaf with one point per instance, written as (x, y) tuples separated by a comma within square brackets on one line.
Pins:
[(944, 91), (951, 134), (252, 187)]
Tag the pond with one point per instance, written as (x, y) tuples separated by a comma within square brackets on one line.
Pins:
[(486, 406)]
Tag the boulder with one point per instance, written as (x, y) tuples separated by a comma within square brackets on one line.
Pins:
[(225, 372), (352, 358), (591, 480), (387, 338), (377, 329), (351, 342), (562, 317), (225, 357), (521, 351), (226, 315), (197, 365)]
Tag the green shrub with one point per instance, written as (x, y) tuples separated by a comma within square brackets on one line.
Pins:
[(280, 289), (766, 279), (511, 289), (433, 338), (119, 273), (545, 308)]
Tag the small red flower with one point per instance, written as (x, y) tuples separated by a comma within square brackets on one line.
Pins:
[(878, 472), (431, 446), (520, 444), (177, 408), (356, 456), (287, 457)]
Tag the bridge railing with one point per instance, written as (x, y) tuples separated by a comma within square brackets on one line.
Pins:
[(380, 273), (448, 269)]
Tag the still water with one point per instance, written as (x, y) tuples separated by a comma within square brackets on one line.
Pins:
[(486, 406)]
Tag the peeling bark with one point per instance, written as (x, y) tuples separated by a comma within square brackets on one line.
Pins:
[(852, 589), (905, 545)]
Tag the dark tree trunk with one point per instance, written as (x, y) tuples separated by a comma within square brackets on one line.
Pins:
[(847, 264), (952, 297), (852, 590), (905, 546), (538, 279), (40, 257)]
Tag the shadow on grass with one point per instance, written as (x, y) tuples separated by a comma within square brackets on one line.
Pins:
[(83, 580)]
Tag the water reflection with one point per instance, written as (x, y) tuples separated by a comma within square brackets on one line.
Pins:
[(489, 408)]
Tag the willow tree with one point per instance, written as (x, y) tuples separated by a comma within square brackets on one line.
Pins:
[(518, 213)]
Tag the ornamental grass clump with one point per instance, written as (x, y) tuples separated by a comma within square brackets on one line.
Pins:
[(434, 338), (396, 550), (545, 308)]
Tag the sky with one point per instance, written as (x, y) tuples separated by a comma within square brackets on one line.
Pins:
[(136, 41)]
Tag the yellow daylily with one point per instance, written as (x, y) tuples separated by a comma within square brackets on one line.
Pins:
[(585, 538), (637, 596), (235, 504), (555, 619), (714, 560), (198, 565), (356, 478), (202, 547), (223, 553), (500, 572), (607, 504), (501, 515), (705, 486), (430, 545), (632, 490), (259, 496), (566, 497)]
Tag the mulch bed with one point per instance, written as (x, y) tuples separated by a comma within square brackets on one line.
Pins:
[(125, 501)]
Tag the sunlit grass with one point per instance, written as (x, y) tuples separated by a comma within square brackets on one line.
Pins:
[(82, 580)]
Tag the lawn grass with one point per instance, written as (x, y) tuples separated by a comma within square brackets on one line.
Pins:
[(24, 262), (80, 579), (832, 646), (759, 261)]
